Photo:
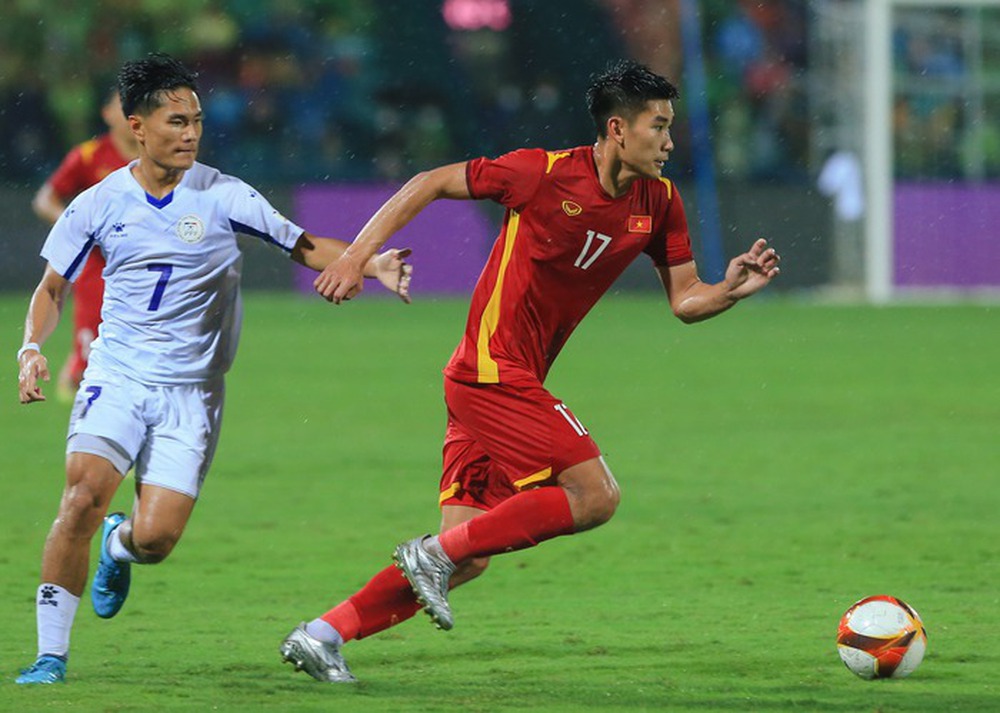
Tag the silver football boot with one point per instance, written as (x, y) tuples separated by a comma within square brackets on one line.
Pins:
[(321, 660), (428, 573)]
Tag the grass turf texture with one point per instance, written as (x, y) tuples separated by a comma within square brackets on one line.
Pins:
[(777, 464)]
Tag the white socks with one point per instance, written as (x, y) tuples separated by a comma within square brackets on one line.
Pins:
[(54, 609), (322, 631), (118, 551)]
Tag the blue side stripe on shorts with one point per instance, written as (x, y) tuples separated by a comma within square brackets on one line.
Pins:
[(247, 230), (75, 265)]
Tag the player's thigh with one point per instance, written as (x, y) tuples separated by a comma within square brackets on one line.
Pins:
[(470, 480), (183, 433), (525, 431), (91, 483), (591, 475), (160, 514)]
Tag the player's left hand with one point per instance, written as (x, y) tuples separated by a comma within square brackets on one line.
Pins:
[(394, 272), (753, 270)]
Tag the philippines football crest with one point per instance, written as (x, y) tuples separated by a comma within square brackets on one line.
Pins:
[(190, 229)]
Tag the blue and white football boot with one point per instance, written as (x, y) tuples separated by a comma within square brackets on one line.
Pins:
[(111, 580), (47, 669)]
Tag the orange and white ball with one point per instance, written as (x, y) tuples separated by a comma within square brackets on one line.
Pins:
[(881, 637)]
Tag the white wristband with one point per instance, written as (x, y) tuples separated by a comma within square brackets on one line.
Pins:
[(27, 348)]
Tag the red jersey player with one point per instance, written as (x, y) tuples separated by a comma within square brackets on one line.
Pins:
[(519, 466), (84, 166)]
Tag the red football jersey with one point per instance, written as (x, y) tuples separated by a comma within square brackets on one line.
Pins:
[(85, 165), (564, 242)]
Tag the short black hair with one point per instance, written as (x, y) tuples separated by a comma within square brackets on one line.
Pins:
[(142, 82), (623, 88)]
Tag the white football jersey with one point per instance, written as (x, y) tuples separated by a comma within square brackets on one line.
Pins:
[(172, 309)]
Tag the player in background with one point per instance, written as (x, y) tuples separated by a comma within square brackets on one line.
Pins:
[(152, 394), (519, 467), (86, 164)]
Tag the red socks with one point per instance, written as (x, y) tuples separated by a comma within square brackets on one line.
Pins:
[(385, 601), (515, 524)]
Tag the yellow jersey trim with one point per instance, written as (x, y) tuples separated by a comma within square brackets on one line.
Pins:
[(533, 478), (489, 373), (88, 149), (553, 157), (669, 185), (449, 492)]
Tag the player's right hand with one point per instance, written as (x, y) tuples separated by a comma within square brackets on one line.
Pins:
[(34, 368)]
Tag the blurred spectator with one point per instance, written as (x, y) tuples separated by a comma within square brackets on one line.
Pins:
[(841, 179), (757, 62), (930, 70), (300, 90), (739, 42), (651, 31)]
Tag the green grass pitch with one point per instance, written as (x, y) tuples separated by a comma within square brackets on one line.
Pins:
[(777, 463)]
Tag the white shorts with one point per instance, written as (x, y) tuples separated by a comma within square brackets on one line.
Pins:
[(168, 433)]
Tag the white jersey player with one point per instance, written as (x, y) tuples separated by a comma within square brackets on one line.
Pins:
[(151, 397), (171, 312)]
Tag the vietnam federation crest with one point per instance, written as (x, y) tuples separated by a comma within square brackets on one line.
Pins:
[(190, 229)]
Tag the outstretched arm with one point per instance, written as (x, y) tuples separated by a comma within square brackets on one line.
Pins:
[(693, 300), (341, 279), (47, 204), (40, 322), (389, 268)]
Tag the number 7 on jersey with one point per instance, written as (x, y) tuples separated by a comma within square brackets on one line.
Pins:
[(583, 261), (165, 271)]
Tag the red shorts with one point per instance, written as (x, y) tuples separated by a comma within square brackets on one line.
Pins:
[(504, 438), (88, 294)]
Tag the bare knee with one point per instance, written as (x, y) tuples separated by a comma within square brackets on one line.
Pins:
[(594, 509), (157, 524), (81, 503), (84, 501), (592, 492), (153, 548)]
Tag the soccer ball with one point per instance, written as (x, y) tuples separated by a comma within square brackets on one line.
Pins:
[(881, 637)]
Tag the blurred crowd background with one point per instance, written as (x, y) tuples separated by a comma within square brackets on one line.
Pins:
[(304, 90)]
